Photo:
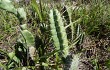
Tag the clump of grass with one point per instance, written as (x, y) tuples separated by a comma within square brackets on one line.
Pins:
[(94, 17)]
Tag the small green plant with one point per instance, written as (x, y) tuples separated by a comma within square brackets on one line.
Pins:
[(59, 37), (19, 56)]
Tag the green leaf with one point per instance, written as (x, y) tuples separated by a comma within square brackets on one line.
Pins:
[(35, 6), (16, 59), (24, 26), (21, 13), (10, 65), (7, 5), (11, 55), (28, 37), (45, 64)]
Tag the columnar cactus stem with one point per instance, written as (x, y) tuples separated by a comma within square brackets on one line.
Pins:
[(58, 32)]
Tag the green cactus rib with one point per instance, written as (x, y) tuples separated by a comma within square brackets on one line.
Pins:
[(58, 32)]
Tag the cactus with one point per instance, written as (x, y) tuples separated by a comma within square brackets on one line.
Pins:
[(58, 32), (59, 37), (75, 62)]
